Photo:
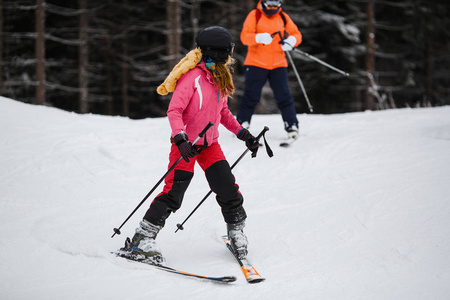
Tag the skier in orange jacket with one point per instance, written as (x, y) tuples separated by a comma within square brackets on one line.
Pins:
[(268, 32)]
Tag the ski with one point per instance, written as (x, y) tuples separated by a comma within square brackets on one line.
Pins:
[(250, 273), (287, 143), (141, 259)]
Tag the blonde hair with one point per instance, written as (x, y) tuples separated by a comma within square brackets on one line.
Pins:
[(223, 78)]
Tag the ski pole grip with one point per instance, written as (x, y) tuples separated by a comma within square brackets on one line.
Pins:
[(262, 133), (201, 134)]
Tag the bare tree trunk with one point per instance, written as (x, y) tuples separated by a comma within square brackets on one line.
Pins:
[(109, 73), (125, 100), (1, 44), (109, 86), (83, 105), (370, 59), (429, 70), (250, 5), (40, 52), (233, 26), (173, 32), (195, 13)]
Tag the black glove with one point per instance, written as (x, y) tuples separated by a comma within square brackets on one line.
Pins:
[(250, 141), (184, 146)]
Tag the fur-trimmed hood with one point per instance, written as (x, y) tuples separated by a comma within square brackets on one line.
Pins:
[(187, 63)]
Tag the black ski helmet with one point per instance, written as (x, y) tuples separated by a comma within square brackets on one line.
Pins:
[(215, 42), (271, 7)]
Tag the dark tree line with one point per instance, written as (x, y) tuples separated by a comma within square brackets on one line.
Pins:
[(109, 56)]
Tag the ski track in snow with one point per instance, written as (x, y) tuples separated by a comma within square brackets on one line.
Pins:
[(357, 208)]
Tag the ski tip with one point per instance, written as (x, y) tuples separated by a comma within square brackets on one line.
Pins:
[(255, 280), (228, 279), (288, 142)]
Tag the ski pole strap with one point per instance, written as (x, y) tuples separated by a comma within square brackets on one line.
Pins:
[(202, 147), (282, 37), (263, 135), (201, 134), (269, 151)]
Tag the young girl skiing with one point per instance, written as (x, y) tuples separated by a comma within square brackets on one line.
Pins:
[(201, 83)]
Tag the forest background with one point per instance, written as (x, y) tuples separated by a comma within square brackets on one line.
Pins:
[(109, 56)]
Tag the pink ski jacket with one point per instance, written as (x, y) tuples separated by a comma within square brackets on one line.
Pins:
[(195, 102)]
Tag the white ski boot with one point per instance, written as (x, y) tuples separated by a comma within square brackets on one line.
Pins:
[(143, 245), (238, 239), (292, 132)]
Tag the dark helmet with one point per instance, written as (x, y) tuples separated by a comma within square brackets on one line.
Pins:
[(215, 42), (271, 7)]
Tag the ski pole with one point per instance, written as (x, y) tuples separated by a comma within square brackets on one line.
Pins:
[(321, 62), (269, 152), (299, 80), (295, 69), (201, 134)]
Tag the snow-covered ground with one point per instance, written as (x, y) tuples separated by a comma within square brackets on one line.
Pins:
[(358, 208)]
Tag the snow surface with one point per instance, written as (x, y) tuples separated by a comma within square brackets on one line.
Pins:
[(358, 208)]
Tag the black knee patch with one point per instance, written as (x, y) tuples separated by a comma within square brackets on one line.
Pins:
[(222, 182), (158, 211), (181, 181), (164, 205)]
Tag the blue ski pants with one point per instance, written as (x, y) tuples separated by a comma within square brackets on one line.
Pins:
[(255, 79)]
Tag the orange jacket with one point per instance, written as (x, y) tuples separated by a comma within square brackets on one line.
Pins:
[(267, 56)]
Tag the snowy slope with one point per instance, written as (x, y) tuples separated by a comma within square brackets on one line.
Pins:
[(358, 208)]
